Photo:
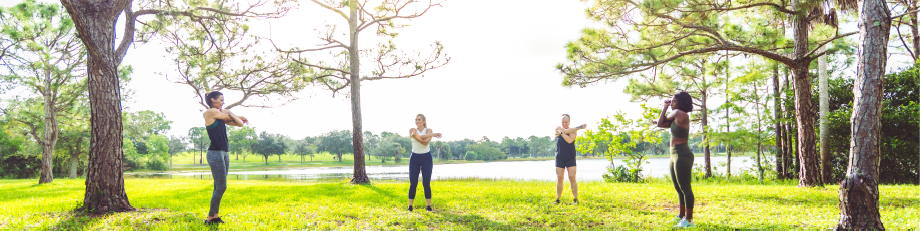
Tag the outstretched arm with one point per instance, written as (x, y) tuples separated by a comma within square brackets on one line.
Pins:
[(423, 139), (572, 130)]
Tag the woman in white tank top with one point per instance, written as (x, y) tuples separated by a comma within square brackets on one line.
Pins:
[(420, 160)]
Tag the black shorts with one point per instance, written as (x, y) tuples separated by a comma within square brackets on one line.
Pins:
[(564, 163)]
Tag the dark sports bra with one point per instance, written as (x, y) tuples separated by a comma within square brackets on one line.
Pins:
[(678, 132)]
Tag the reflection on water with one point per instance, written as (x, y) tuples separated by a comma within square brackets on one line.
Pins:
[(587, 169)]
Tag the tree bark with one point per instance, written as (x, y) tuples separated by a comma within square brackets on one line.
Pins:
[(728, 123), (74, 160), (809, 173), (95, 23), (50, 133), (705, 121), (859, 194), (822, 126), (360, 175), (777, 130), (914, 29), (759, 132)]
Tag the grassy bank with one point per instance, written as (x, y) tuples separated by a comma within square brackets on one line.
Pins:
[(459, 205)]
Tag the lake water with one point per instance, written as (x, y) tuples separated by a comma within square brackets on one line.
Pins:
[(588, 169)]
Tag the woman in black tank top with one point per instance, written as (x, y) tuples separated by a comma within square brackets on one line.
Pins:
[(216, 121), (565, 157)]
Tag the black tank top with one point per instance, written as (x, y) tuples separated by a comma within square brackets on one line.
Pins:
[(564, 150), (217, 132)]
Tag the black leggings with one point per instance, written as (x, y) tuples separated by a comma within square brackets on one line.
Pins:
[(681, 168), (420, 162)]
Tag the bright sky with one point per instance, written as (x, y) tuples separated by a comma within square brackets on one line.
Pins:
[(501, 80)]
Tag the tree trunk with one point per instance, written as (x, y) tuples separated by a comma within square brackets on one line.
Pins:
[(759, 132), (360, 175), (809, 173), (728, 124), (50, 133), (859, 195), (776, 127), (914, 29), (705, 120), (822, 126), (95, 24), (74, 161)]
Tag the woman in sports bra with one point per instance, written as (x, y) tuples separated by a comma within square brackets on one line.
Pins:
[(216, 121), (420, 160), (678, 120), (565, 157)]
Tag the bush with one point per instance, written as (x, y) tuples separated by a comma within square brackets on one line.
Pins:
[(17, 166), (620, 174), (898, 141), (471, 155), (156, 164)]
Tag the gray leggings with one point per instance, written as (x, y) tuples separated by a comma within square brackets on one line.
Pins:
[(220, 166), (681, 168)]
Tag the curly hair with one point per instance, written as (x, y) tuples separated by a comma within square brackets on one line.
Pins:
[(684, 101)]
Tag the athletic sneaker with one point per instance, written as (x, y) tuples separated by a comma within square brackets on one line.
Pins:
[(428, 208), (683, 223), (410, 208), (574, 201), (557, 202), (676, 220)]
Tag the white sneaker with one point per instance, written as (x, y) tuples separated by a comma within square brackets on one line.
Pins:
[(676, 220), (683, 223)]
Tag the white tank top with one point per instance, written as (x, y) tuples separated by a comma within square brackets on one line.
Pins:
[(417, 147)]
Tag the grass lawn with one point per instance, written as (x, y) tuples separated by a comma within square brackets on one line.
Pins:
[(465, 204)]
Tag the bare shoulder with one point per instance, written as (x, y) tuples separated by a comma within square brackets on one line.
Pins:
[(428, 130), (683, 114), (208, 112)]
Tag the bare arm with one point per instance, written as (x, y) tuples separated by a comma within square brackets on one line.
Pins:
[(572, 130), (423, 139), (664, 120), (569, 138), (228, 117)]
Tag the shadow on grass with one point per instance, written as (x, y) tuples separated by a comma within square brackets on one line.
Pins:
[(26, 191), (475, 222), (140, 219)]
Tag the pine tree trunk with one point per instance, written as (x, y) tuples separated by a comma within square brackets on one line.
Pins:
[(915, 41), (822, 125), (728, 127), (50, 133), (360, 175), (74, 161), (777, 130), (809, 173), (95, 24), (705, 121), (859, 194)]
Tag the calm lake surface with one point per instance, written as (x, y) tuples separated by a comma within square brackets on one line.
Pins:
[(587, 169)]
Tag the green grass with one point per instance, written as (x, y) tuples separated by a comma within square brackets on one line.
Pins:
[(462, 204)]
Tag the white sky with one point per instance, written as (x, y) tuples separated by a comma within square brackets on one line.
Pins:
[(501, 80)]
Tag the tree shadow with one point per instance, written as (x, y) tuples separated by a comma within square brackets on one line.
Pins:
[(137, 220)]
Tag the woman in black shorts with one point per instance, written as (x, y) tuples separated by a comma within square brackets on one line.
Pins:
[(565, 156)]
